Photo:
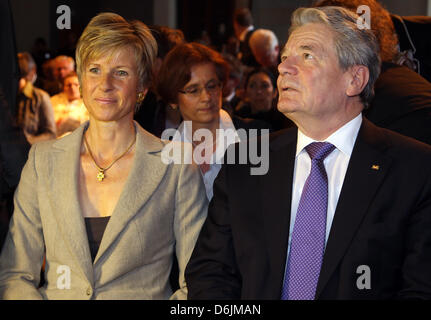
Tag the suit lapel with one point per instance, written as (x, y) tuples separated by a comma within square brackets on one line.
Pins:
[(65, 199), (276, 198), (366, 170), (144, 178)]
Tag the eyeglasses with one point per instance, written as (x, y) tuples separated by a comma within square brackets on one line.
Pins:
[(195, 90)]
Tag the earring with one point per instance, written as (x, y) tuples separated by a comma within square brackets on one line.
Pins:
[(140, 97), (173, 107)]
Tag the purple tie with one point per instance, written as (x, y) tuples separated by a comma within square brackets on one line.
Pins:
[(308, 236)]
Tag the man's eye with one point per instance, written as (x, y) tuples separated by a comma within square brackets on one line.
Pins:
[(308, 56)]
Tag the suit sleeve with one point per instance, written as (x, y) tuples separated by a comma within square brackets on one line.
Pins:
[(22, 254), (191, 207), (48, 129), (212, 272), (416, 267)]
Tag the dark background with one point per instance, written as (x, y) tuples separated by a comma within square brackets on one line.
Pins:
[(38, 18)]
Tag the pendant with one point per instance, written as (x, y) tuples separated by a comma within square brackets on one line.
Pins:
[(100, 176)]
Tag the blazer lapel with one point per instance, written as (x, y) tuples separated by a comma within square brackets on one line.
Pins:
[(144, 178), (65, 204), (276, 198), (367, 167)]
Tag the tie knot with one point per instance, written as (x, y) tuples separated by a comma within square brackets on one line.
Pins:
[(319, 150)]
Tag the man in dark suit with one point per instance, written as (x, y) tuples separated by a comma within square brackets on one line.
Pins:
[(344, 211), (244, 28)]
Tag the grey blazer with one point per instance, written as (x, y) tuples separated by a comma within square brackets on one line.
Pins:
[(160, 210)]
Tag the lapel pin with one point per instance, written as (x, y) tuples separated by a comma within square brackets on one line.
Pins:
[(375, 167)]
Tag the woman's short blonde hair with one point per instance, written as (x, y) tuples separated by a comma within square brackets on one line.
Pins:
[(109, 32)]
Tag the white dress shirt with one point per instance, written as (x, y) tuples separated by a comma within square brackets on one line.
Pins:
[(230, 137), (335, 165)]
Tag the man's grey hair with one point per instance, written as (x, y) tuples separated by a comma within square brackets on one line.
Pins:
[(264, 38), (353, 46), (67, 58)]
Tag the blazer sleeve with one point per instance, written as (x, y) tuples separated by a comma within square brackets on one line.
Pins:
[(22, 254), (191, 207), (416, 267), (47, 127), (212, 272)]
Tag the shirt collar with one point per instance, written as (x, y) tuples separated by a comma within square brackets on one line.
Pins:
[(230, 136), (244, 33), (343, 139)]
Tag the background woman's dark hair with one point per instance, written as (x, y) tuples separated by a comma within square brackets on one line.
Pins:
[(266, 71), (175, 71)]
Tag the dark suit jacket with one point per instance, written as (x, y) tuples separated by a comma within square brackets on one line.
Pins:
[(382, 220), (402, 102), (247, 58), (13, 155)]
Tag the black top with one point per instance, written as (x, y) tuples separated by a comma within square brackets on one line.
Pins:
[(95, 229)]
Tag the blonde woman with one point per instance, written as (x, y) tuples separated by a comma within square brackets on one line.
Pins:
[(109, 212)]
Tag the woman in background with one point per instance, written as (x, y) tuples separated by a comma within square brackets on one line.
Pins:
[(191, 78), (260, 97)]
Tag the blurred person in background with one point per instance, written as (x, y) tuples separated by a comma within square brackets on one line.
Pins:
[(230, 91), (265, 48), (34, 112), (260, 98), (46, 79), (60, 66), (69, 109), (244, 28)]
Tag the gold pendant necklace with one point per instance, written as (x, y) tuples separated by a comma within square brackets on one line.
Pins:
[(101, 174)]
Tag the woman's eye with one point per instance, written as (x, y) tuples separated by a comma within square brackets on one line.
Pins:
[(192, 90), (122, 73), (94, 70)]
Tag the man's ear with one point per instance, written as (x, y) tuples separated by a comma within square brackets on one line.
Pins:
[(358, 79)]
